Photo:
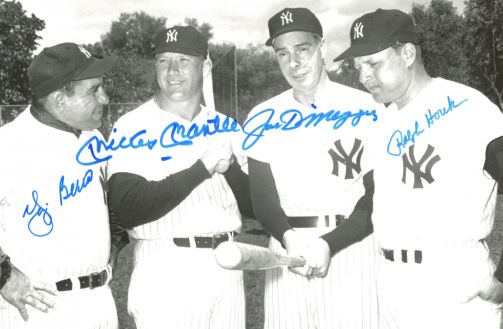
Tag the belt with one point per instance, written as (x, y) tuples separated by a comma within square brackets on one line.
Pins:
[(203, 241), (91, 281), (389, 254), (316, 221)]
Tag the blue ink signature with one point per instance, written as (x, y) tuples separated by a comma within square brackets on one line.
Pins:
[(399, 140), (256, 126), (432, 117), (402, 139), (77, 187), (174, 134), (38, 211)]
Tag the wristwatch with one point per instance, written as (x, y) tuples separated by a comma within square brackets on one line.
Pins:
[(5, 269)]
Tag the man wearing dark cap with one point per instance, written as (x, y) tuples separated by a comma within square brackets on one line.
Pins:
[(305, 184), (437, 158), (176, 200), (54, 228)]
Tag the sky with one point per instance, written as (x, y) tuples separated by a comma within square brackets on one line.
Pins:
[(238, 22)]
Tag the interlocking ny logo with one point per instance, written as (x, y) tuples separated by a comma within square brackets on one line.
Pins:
[(347, 159), (85, 52), (358, 31), (409, 162), (286, 18), (171, 35)]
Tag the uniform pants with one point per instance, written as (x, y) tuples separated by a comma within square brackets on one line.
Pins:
[(183, 288), (432, 294), (75, 309), (345, 299)]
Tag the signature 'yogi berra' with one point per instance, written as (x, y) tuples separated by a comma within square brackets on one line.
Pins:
[(54, 231), (435, 184)]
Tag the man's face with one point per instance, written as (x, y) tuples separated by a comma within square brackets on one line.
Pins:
[(179, 76), (84, 107), (384, 74), (300, 59)]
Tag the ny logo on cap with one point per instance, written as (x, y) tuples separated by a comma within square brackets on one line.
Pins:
[(171, 35), (286, 18), (85, 52), (358, 31)]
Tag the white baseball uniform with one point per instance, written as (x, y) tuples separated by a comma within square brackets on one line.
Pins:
[(54, 223), (433, 203), (173, 286), (317, 172)]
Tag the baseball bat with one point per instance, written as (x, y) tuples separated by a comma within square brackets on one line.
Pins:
[(242, 256)]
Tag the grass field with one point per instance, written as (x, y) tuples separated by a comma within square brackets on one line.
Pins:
[(254, 280)]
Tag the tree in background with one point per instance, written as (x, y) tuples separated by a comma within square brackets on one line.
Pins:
[(441, 36), (131, 41), (259, 77), (18, 36), (484, 47)]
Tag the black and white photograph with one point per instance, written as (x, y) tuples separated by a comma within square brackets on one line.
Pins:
[(285, 164)]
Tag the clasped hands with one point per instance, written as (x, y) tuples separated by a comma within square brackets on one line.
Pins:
[(314, 250)]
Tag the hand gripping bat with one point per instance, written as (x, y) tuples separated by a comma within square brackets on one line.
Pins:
[(242, 256)]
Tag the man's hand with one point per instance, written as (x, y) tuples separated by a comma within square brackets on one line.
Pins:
[(21, 291), (318, 257), (296, 245), (218, 156), (491, 290)]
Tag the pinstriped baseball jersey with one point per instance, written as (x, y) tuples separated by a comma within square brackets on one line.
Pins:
[(53, 213), (420, 153), (318, 171), (210, 208), (432, 195), (179, 275)]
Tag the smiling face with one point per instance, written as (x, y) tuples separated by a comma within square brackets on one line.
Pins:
[(83, 107), (300, 58), (179, 76), (385, 74)]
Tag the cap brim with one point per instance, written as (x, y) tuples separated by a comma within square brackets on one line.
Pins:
[(96, 69), (293, 29), (364, 50)]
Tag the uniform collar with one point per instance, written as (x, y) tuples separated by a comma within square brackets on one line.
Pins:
[(47, 119)]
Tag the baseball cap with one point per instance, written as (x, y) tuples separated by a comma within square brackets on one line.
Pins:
[(293, 19), (379, 30), (181, 39), (57, 65)]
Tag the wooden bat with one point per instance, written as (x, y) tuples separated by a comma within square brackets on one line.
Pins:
[(242, 256)]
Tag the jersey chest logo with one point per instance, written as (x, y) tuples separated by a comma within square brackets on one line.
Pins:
[(427, 160), (351, 160)]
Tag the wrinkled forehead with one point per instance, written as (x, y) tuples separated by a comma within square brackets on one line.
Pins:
[(293, 39)]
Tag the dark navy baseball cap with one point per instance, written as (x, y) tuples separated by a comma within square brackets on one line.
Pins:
[(181, 39), (379, 30), (57, 65), (293, 19)]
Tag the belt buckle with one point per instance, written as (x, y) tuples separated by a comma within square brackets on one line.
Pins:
[(97, 279)]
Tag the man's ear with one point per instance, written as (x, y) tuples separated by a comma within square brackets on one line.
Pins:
[(207, 66), (409, 54), (323, 47)]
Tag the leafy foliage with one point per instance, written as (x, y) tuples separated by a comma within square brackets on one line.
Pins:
[(441, 36), (18, 35), (484, 46)]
